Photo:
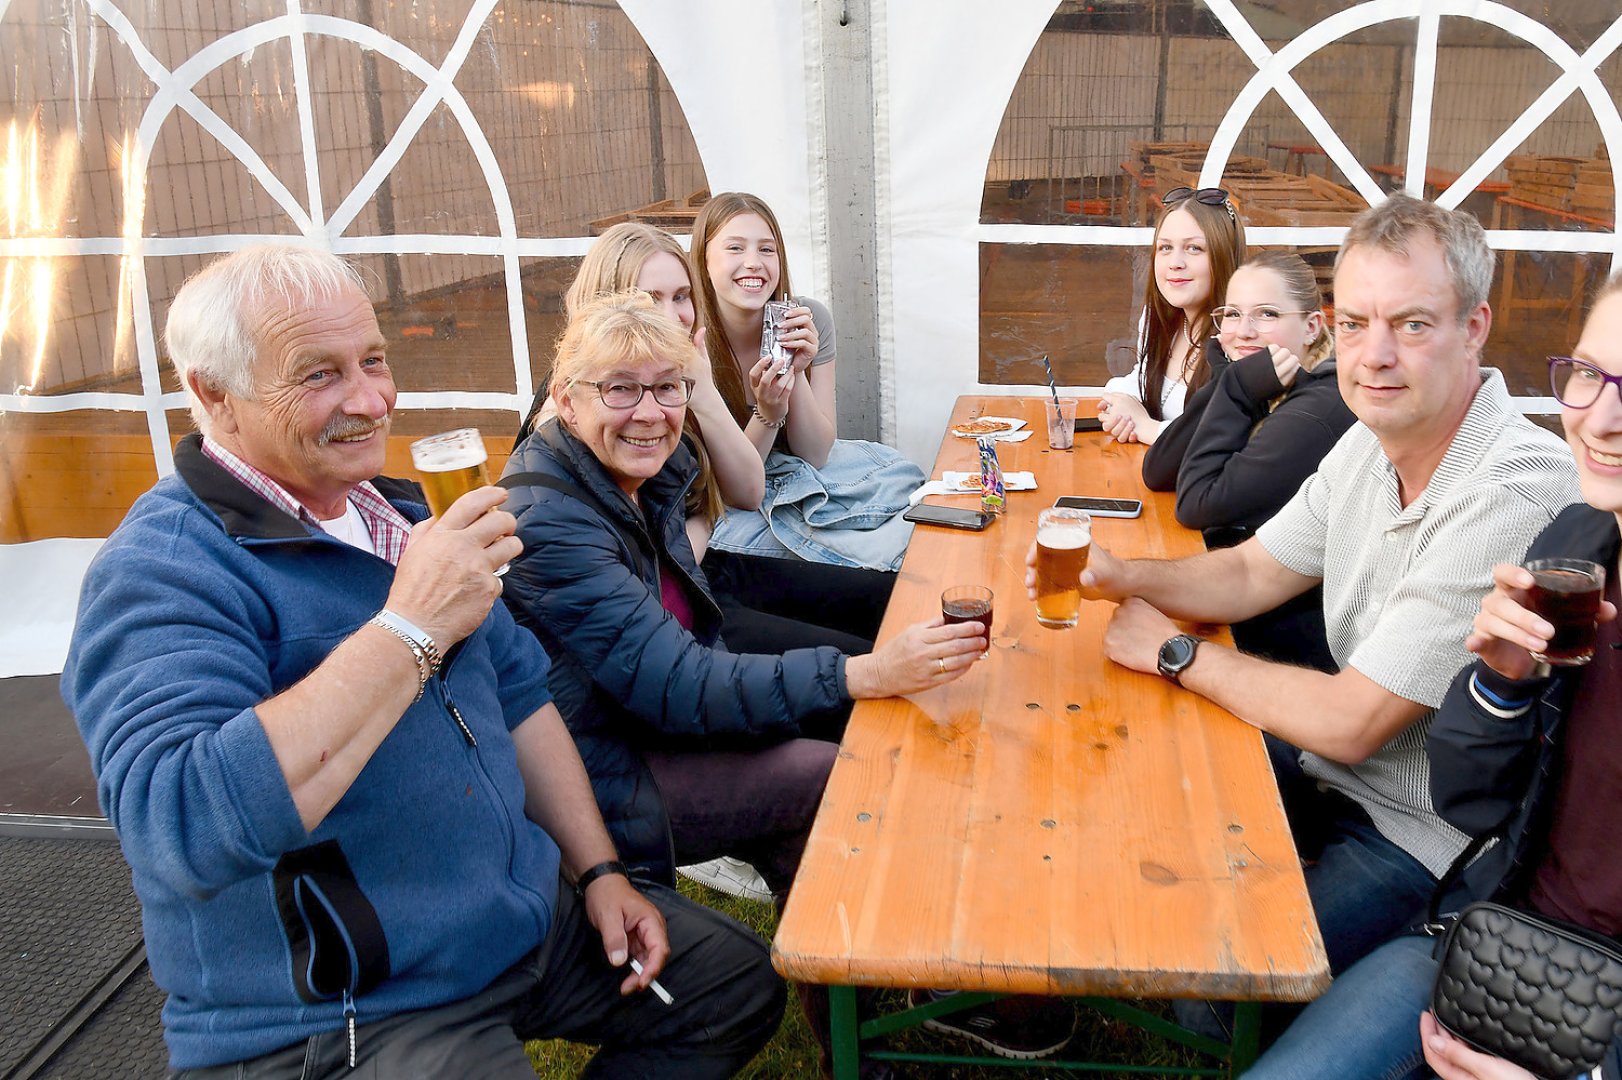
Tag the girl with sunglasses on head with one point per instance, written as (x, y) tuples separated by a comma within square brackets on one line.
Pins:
[(1520, 750), (1199, 240), (1250, 436)]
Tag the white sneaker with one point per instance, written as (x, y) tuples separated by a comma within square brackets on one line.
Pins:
[(731, 876)]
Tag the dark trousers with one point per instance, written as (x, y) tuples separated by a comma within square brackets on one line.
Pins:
[(728, 1002), (773, 605), (755, 805), (1363, 887)]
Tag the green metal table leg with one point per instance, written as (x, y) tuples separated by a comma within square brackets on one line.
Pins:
[(1247, 1035), (842, 1021)]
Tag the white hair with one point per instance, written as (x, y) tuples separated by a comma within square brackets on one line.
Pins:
[(210, 330)]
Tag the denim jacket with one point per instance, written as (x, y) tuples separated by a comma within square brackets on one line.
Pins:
[(847, 513)]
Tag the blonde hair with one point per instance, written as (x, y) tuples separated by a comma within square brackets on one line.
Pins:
[(612, 266), (615, 261), (1302, 286), (620, 328), (1612, 284)]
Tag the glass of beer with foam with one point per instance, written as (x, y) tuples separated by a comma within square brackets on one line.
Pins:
[(1064, 537), (451, 465)]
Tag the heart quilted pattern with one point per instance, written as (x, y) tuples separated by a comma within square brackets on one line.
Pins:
[(1534, 991)]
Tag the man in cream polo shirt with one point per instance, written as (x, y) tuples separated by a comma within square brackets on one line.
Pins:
[(1402, 524)]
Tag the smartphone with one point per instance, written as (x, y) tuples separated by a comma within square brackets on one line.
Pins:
[(1120, 508), (1085, 424), (953, 517)]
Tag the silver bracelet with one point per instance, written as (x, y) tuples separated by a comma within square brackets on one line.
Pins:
[(773, 424), (422, 647)]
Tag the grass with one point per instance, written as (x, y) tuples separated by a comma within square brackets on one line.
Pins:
[(792, 1053)]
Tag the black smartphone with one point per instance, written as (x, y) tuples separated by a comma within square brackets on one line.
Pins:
[(1085, 424), (1120, 508), (953, 517)]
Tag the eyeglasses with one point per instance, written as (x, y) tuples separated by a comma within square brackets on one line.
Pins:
[(627, 394), (1262, 318), (1578, 385), (1209, 196)]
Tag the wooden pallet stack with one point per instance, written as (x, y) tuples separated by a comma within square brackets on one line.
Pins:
[(1262, 194), (1595, 193), (671, 215), (1572, 184)]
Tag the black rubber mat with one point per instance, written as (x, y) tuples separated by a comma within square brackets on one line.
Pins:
[(68, 918), (123, 1039)]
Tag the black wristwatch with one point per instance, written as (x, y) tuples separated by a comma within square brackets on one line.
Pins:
[(1175, 656), (612, 866)]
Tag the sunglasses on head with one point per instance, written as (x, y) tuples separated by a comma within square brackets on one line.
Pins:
[(1209, 196)]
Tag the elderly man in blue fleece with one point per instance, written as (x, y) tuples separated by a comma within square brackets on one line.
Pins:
[(360, 834)]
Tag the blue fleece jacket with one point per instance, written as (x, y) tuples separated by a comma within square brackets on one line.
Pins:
[(424, 883)]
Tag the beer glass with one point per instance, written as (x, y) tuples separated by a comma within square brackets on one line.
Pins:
[(1567, 593), (451, 465), (1064, 537)]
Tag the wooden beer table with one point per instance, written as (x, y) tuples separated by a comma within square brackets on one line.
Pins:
[(1050, 823)]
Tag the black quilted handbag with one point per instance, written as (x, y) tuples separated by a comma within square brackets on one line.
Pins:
[(1541, 993)]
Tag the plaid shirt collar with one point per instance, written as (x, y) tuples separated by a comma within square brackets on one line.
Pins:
[(388, 526)]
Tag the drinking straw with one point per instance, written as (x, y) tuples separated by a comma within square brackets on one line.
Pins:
[(1052, 386)]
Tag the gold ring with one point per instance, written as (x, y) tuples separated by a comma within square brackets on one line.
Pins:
[(941, 660)]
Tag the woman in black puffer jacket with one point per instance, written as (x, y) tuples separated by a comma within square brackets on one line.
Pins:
[(693, 751)]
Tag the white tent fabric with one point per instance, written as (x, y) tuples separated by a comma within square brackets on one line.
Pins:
[(949, 79), (42, 580)]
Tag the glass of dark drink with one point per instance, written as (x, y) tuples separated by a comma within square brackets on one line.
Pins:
[(968, 603), (1567, 593)]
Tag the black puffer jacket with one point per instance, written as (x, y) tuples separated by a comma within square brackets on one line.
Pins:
[(626, 674)]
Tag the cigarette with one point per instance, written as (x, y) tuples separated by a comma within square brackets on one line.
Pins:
[(653, 984)]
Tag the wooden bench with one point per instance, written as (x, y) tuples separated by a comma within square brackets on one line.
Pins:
[(1508, 213)]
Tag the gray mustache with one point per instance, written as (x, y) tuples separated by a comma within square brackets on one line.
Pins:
[(343, 427)]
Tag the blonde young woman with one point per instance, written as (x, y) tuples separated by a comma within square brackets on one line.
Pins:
[(1276, 409), (1261, 428), (634, 255)]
